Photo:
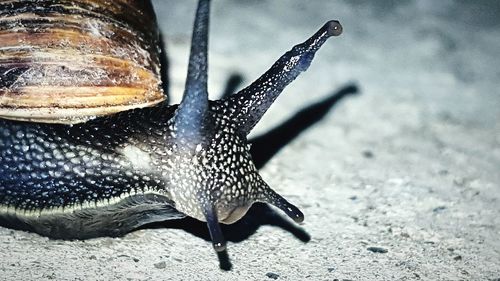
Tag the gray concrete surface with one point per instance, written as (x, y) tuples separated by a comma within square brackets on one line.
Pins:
[(409, 165)]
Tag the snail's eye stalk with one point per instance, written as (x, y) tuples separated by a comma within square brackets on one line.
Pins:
[(250, 104), (190, 118), (218, 240), (334, 27)]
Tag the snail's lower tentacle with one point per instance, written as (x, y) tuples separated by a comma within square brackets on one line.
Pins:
[(218, 240), (270, 196)]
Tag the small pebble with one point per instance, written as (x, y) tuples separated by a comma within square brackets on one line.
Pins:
[(368, 154), (377, 250), (457, 258), (443, 172), (160, 265), (135, 259), (405, 235), (272, 275), (331, 269), (439, 209)]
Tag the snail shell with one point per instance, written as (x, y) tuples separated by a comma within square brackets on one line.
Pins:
[(67, 61)]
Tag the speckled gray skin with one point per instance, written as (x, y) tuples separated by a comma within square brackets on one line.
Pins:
[(113, 174)]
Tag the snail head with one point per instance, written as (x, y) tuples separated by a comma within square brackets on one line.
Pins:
[(219, 181)]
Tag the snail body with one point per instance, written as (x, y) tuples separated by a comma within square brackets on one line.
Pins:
[(107, 163)]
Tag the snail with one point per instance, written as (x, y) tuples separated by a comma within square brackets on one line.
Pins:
[(89, 145)]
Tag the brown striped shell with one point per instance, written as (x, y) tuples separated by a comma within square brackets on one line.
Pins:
[(67, 61)]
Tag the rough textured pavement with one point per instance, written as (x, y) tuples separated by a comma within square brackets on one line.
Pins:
[(399, 181)]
